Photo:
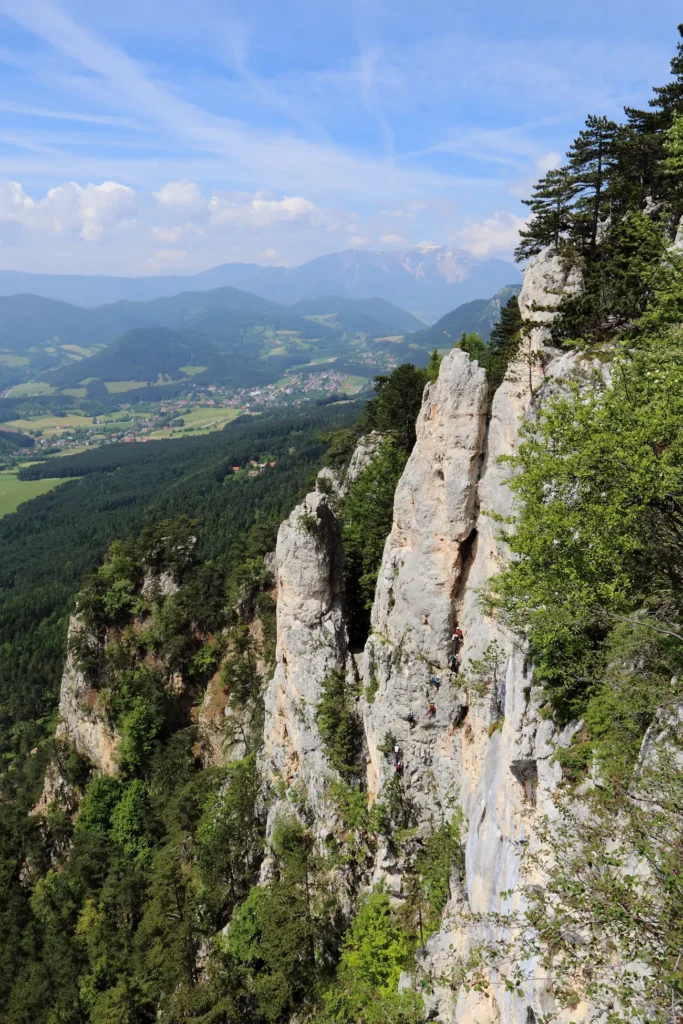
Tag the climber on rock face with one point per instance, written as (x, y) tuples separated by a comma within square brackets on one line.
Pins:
[(411, 718), (457, 637), (399, 767), (435, 681), (397, 748), (431, 709), (453, 663)]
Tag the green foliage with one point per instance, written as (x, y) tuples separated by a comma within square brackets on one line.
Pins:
[(374, 952), (598, 530), (74, 766), (276, 937), (230, 838), (474, 345), (339, 725), (97, 807), (441, 857), (139, 729), (241, 680), (611, 212), (433, 366), (366, 515), (375, 949), (481, 675), (371, 689), (129, 819), (503, 345), (398, 402), (114, 932)]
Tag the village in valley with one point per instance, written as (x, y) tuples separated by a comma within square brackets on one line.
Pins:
[(198, 409)]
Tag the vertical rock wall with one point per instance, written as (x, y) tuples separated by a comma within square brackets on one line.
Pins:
[(442, 550), (423, 569), (312, 641)]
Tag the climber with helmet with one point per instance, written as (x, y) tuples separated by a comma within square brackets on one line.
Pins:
[(397, 748), (431, 709), (399, 767), (411, 719), (453, 663), (435, 681), (457, 637)]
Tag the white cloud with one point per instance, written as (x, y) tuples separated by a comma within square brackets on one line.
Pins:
[(392, 239), (358, 241), (87, 210), (15, 205), (168, 234), (167, 259), (176, 231), (255, 211), (181, 193), (270, 254), (548, 162), (495, 236)]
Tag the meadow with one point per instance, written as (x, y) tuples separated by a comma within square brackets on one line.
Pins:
[(14, 492)]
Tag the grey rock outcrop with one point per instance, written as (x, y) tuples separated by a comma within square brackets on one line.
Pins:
[(423, 567), (443, 550), (80, 721), (365, 451), (82, 725), (312, 641)]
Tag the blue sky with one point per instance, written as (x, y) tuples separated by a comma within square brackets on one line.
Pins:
[(154, 137)]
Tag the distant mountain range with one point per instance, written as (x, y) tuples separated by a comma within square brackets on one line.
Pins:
[(428, 280), (479, 315), (224, 334)]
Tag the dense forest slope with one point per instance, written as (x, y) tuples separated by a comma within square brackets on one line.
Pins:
[(419, 756)]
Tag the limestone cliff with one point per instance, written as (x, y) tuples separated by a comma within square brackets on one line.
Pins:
[(312, 641), (442, 550), (425, 564)]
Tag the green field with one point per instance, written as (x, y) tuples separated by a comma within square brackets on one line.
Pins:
[(51, 424), (190, 371), (13, 491), (30, 389), (75, 392), (200, 421), (352, 385), (117, 387), (78, 350), (10, 359)]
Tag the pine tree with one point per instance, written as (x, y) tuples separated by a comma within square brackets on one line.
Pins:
[(669, 98), (592, 158), (504, 343), (647, 129), (551, 208)]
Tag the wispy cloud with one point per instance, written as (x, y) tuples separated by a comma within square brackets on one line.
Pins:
[(65, 115), (294, 129), (277, 160)]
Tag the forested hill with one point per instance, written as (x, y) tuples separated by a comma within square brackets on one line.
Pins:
[(51, 541), (479, 316)]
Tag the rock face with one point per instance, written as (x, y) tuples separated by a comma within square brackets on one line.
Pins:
[(79, 722), (81, 726), (442, 550), (366, 449), (507, 774), (312, 641), (426, 558)]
